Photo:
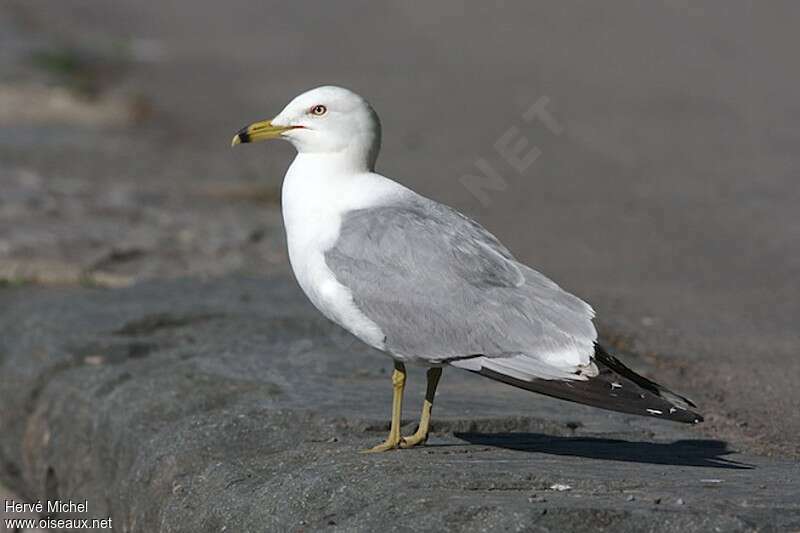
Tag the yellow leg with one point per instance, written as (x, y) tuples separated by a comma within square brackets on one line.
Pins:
[(399, 383), (425, 420)]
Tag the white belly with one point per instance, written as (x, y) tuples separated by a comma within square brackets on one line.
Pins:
[(313, 206), (332, 298)]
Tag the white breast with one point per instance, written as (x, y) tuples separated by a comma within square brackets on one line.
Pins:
[(314, 198)]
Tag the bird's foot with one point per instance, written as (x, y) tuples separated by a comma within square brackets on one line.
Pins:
[(400, 443), (413, 440), (391, 443)]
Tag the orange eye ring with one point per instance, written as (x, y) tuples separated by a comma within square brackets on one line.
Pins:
[(319, 110)]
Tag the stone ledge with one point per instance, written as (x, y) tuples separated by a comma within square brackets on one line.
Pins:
[(231, 405)]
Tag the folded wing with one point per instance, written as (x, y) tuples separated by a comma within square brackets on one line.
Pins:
[(444, 289)]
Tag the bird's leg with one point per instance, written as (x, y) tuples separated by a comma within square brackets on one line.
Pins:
[(399, 383), (425, 420)]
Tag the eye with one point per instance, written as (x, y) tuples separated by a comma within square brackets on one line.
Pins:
[(319, 110)]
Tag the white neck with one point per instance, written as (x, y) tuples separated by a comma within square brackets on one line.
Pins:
[(332, 164), (319, 188)]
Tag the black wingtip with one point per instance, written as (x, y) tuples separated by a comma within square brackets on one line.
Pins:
[(615, 388), (679, 410)]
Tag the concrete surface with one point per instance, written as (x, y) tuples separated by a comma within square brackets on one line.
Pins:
[(231, 406)]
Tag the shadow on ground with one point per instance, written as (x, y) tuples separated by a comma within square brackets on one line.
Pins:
[(704, 453)]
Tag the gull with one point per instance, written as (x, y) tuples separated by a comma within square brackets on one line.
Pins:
[(427, 285)]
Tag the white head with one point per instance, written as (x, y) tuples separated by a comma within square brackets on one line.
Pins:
[(325, 120)]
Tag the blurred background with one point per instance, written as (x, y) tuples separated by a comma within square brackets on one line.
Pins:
[(661, 146)]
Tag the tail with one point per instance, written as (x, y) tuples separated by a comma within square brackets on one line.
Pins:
[(616, 388)]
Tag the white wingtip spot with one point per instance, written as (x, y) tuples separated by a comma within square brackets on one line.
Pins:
[(655, 412)]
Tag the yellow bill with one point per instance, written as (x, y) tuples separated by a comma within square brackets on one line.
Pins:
[(258, 131)]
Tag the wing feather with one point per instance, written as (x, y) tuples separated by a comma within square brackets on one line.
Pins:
[(613, 386), (441, 288)]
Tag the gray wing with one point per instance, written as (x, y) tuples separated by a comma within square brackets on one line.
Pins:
[(445, 290)]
